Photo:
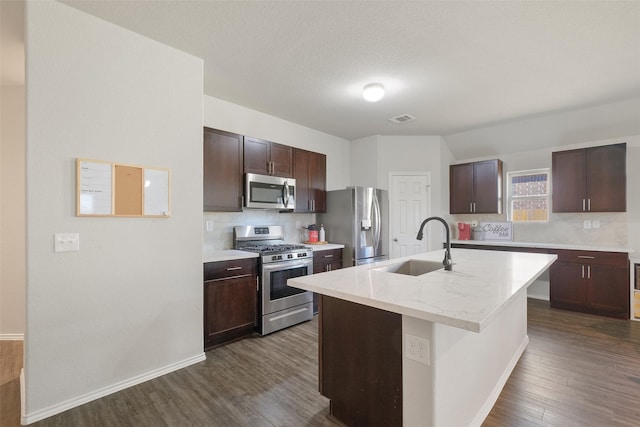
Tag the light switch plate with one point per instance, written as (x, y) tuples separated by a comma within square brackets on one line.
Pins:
[(66, 242), (586, 224), (595, 223), (209, 225)]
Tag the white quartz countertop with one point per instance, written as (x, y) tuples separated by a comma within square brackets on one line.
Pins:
[(210, 255), (567, 246), (480, 285), (325, 247)]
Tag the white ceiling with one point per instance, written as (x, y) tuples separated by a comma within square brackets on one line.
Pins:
[(453, 65)]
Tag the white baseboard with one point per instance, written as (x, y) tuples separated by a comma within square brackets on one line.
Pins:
[(11, 337), (495, 393), (97, 394)]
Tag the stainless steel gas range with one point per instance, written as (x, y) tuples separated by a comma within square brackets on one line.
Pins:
[(279, 305)]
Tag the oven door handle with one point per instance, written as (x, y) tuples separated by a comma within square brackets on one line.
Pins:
[(287, 265)]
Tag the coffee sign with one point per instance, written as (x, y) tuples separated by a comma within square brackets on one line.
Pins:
[(497, 230)]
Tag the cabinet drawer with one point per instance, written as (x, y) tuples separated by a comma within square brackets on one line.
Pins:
[(223, 269), (593, 257), (328, 256)]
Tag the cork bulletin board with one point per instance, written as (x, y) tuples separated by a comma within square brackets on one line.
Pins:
[(114, 189)]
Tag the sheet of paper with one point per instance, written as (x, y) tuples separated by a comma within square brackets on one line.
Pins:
[(96, 188)]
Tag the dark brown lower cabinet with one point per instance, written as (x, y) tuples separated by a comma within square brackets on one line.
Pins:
[(230, 296), (326, 260), (591, 282), (360, 363)]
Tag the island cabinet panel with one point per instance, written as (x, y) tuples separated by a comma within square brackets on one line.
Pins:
[(591, 282), (230, 300), (309, 170), (476, 187), (360, 363), (590, 179), (223, 165), (267, 158)]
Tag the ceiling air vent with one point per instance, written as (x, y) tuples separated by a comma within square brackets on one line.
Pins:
[(403, 118)]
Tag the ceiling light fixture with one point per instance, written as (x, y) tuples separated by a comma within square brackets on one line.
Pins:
[(373, 92)]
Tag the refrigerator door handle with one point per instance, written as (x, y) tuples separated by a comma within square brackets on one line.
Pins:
[(377, 220)]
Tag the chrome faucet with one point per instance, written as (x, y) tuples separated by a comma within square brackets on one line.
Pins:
[(448, 265)]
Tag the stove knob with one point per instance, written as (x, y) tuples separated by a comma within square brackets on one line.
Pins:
[(290, 256)]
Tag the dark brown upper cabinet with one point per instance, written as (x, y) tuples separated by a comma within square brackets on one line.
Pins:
[(590, 179), (476, 187), (223, 164), (267, 158), (309, 171)]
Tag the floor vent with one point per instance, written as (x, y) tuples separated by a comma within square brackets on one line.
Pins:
[(404, 118)]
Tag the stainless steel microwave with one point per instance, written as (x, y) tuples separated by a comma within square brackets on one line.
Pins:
[(269, 192)]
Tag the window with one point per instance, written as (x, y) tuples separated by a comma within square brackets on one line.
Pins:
[(528, 195)]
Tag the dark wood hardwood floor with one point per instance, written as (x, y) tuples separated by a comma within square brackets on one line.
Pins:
[(578, 370)]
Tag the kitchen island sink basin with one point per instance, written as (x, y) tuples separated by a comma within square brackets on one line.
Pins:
[(412, 267)]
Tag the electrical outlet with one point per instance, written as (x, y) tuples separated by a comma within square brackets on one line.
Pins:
[(417, 349), (209, 225), (595, 223), (586, 224)]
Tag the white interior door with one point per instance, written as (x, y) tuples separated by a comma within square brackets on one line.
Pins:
[(409, 201)]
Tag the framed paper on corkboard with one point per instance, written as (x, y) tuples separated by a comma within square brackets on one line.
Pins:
[(114, 189), (95, 188)]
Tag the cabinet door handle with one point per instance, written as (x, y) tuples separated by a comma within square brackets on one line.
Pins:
[(257, 284), (589, 204), (330, 267), (583, 209), (234, 268), (582, 271), (586, 257), (588, 272), (470, 207), (474, 207), (329, 256)]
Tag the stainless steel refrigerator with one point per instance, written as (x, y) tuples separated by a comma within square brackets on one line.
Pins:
[(358, 217)]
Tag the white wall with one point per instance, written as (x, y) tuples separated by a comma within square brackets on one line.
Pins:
[(365, 162), (375, 157), (12, 213), (128, 305), (223, 115), (607, 121)]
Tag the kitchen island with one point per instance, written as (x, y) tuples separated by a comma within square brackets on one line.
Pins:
[(403, 342)]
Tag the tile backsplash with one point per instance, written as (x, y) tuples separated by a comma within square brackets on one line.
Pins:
[(564, 228), (223, 222)]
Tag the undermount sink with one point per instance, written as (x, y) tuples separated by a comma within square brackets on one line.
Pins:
[(413, 267)]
